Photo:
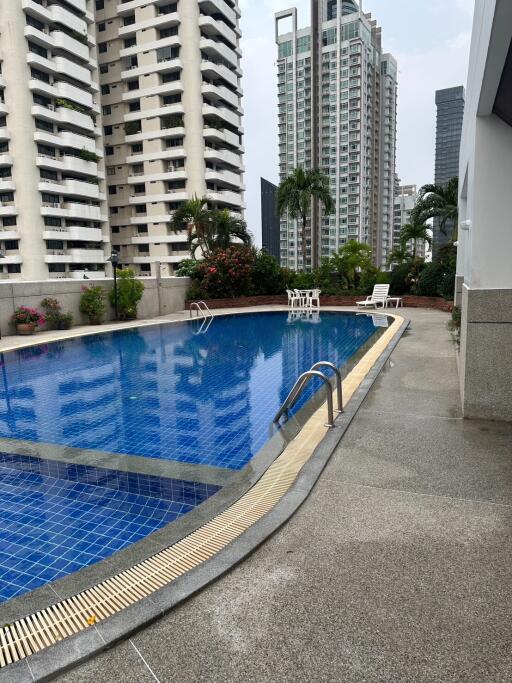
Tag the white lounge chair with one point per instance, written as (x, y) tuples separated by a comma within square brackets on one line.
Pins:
[(378, 296)]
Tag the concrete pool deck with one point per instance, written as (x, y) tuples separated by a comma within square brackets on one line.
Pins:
[(396, 568)]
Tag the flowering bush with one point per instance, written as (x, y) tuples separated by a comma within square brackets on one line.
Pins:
[(227, 273), (27, 316)]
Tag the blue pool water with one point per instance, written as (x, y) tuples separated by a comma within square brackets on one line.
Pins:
[(167, 392), (57, 518)]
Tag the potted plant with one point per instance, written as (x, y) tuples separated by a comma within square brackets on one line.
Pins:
[(27, 319), (129, 293), (92, 304), (55, 318)]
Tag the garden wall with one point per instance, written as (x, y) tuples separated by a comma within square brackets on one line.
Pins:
[(282, 300), (160, 297)]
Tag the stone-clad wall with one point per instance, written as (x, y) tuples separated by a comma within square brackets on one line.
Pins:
[(160, 297)]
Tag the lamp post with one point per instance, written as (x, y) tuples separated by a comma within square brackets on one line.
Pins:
[(114, 260)]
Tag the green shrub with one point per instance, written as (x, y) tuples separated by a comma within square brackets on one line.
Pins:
[(92, 303), (430, 279), (188, 268), (266, 275), (399, 279), (129, 293)]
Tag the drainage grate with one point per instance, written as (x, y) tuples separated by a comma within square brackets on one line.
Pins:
[(68, 617)]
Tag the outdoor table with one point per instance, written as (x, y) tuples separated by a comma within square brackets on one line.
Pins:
[(398, 300)]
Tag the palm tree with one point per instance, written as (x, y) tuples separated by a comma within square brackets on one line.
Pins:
[(195, 217), (296, 193), (225, 227), (352, 258), (438, 201), (415, 232), (400, 254)]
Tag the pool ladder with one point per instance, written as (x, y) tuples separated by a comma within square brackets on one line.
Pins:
[(200, 307), (300, 385)]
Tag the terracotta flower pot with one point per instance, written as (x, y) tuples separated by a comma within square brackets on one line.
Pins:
[(25, 328)]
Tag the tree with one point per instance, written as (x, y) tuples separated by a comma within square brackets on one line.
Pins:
[(194, 216), (226, 227), (400, 254), (209, 230), (352, 259), (415, 232), (438, 201), (296, 193)]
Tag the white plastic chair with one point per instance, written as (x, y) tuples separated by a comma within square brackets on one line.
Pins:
[(294, 299), (314, 298), (378, 296)]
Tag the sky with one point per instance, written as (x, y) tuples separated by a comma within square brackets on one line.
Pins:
[(430, 40)]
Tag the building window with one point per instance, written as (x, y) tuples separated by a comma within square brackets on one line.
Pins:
[(100, 4), (101, 26), (102, 47), (103, 68), (11, 245), (112, 189), (14, 268)]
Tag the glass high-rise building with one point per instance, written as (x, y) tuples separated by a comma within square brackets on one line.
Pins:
[(337, 93), (450, 113)]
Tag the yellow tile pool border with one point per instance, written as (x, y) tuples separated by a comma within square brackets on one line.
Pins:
[(82, 611)]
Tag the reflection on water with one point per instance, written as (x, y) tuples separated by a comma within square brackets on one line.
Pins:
[(169, 392)]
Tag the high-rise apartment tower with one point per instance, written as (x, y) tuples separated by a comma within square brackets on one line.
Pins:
[(450, 114), (53, 214), (171, 102), (337, 93)]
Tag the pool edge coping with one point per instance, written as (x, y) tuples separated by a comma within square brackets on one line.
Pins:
[(74, 649)]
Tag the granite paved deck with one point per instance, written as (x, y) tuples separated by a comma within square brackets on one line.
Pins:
[(397, 567)]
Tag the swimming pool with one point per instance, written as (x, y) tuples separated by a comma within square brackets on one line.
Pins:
[(201, 395), (165, 392)]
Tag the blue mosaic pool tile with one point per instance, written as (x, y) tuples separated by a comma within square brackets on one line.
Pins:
[(56, 518)]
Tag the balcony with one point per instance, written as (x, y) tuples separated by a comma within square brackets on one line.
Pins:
[(8, 209), (160, 21), (7, 185), (222, 135), (75, 118), (6, 160), (224, 155), (73, 210), (226, 197), (80, 189), (87, 274), (9, 234), (4, 133), (55, 14), (213, 70), (75, 256), (170, 64), (224, 177), (70, 92), (218, 92), (65, 42), (75, 233), (219, 50), (211, 26), (223, 113), (219, 6)]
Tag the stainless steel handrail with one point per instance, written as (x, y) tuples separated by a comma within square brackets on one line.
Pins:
[(339, 389), (297, 389), (200, 307)]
